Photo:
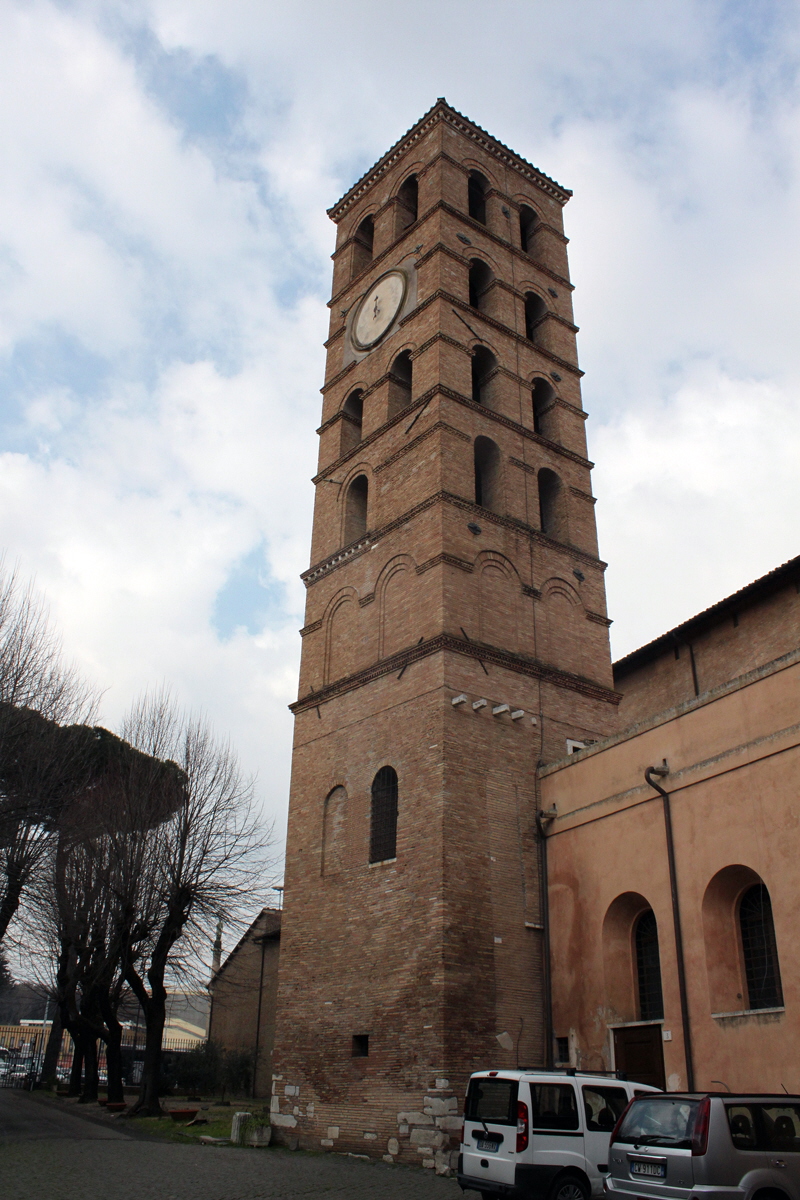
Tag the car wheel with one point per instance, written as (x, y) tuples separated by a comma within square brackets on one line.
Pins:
[(569, 1187)]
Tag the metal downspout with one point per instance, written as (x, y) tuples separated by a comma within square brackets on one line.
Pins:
[(676, 921), (543, 819)]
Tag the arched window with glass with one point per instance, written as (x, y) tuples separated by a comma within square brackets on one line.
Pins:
[(759, 951), (383, 817), (648, 968)]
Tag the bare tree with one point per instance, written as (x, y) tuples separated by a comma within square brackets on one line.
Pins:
[(205, 857), (38, 761)]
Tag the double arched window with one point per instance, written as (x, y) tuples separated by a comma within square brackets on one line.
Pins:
[(407, 205), (480, 279), (355, 509), (353, 410), (527, 225), (363, 248), (552, 505), (488, 488), (400, 380), (383, 822), (542, 397), (535, 309), (477, 187), (484, 365)]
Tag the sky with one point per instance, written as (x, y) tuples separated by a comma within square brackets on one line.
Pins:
[(164, 271)]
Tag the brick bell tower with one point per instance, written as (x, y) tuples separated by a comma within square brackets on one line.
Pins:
[(456, 636)]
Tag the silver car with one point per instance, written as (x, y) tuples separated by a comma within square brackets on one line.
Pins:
[(692, 1147)]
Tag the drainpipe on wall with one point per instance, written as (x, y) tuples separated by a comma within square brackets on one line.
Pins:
[(676, 919), (258, 1014), (543, 819)]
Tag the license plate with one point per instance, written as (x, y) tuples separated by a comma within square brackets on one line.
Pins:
[(652, 1170), (489, 1147)]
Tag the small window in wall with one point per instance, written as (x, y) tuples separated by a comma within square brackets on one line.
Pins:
[(480, 279), (648, 968), (484, 364), (488, 489), (535, 309), (562, 1051), (360, 1047), (477, 187), (383, 825), (527, 225), (400, 380), (363, 248), (542, 398), (407, 204), (355, 515), (759, 949)]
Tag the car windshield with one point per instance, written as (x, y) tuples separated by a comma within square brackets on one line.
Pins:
[(660, 1121)]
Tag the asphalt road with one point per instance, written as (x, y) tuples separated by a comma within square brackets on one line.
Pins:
[(54, 1153)]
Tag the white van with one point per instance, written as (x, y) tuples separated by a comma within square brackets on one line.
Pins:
[(540, 1135)]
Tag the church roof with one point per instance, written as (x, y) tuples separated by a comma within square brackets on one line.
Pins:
[(442, 111), (760, 589)]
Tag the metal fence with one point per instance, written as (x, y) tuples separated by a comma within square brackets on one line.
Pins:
[(22, 1050)]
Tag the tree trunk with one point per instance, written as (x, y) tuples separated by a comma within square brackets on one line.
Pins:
[(89, 1048), (77, 1067), (155, 1015), (51, 1054), (116, 1091)]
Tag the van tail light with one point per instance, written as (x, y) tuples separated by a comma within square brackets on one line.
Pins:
[(620, 1119), (522, 1126), (700, 1131)]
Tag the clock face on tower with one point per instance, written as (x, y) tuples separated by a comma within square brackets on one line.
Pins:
[(378, 310)]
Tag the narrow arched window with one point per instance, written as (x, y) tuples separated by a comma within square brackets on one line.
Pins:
[(542, 397), (527, 225), (648, 968), (551, 504), (480, 278), (477, 187), (759, 950), (355, 513), (400, 380), (487, 474), (364, 240), (484, 365), (353, 411), (407, 204), (535, 309), (383, 824)]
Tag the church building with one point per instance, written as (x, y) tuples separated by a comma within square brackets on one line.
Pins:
[(453, 899)]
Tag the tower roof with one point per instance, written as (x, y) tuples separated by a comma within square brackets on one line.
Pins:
[(442, 111)]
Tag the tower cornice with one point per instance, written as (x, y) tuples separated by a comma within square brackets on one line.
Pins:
[(442, 112), (475, 650)]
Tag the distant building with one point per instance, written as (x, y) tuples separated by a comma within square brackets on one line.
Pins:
[(243, 997)]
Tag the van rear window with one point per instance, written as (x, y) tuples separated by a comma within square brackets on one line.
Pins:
[(492, 1100), (659, 1121)]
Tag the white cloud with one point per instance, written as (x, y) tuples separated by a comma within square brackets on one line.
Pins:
[(163, 277)]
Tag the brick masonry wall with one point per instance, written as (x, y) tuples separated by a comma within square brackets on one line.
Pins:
[(436, 953), (239, 1021), (761, 632)]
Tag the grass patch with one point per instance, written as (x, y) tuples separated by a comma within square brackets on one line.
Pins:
[(165, 1127)]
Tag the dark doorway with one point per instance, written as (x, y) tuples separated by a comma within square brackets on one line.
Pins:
[(638, 1051)]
